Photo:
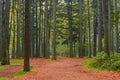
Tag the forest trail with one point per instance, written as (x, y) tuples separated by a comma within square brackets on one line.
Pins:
[(65, 69)]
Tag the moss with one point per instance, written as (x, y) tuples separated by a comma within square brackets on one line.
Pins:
[(16, 62), (22, 73), (3, 78), (2, 67)]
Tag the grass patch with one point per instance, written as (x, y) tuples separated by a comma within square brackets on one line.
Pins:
[(16, 62), (87, 64), (22, 73), (2, 67), (103, 62), (3, 78)]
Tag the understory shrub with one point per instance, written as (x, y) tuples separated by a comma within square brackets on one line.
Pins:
[(104, 62)]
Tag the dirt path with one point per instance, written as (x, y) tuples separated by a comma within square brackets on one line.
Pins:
[(66, 69)]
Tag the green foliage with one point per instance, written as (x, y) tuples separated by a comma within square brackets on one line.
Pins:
[(63, 49), (3, 78), (16, 62), (103, 62), (21, 72)]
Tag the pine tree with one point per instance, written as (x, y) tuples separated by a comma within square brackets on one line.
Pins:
[(27, 37)]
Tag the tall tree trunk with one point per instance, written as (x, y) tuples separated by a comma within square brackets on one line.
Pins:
[(95, 35), (5, 31), (54, 33), (99, 5), (37, 54), (13, 42), (117, 32), (1, 4), (106, 37), (80, 51), (18, 31), (89, 28), (27, 37), (109, 24), (70, 26), (46, 30)]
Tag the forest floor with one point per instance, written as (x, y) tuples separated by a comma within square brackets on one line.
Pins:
[(62, 69)]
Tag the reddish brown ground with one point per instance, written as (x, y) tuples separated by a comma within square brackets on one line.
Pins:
[(62, 69)]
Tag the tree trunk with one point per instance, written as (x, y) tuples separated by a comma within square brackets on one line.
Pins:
[(54, 33), (117, 32), (18, 31), (89, 28), (5, 31), (109, 24), (27, 37), (80, 38), (106, 37), (99, 4), (1, 4), (95, 35), (70, 26)]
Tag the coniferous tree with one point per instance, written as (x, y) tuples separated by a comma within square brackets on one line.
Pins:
[(27, 37), (1, 2), (99, 11), (80, 37), (89, 40), (106, 37), (5, 31), (54, 33), (69, 7), (117, 31)]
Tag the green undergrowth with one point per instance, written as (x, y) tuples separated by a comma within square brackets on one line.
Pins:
[(103, 62), (2, 67), (16, 62), (3, 78), (22, 73)]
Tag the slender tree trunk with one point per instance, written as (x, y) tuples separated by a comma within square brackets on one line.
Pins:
[(109, 24), (80, 53), (117, 32), (1, 4), (69, 4), (18, 31), (95, 35), (37, 54), (99, 4), (89, 28), (54, 33), (46, 30), (13, 42)]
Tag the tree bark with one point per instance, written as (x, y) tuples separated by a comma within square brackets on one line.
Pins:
[(54, 33), (99, 4), (27, 48), (106, 37), (80, 38)]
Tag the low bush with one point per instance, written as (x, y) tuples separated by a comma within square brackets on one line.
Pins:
[(104, 62)]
